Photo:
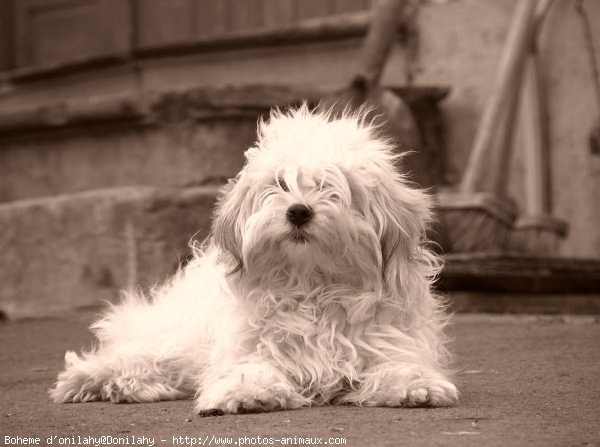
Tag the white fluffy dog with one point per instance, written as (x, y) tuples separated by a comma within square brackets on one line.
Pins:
[(314, 288)]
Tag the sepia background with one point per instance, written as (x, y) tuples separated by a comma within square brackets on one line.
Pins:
[(119, 118)]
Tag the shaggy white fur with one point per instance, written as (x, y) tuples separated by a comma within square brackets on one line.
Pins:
[(314, 288)]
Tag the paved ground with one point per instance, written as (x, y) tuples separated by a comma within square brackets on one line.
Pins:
[(524, 381)]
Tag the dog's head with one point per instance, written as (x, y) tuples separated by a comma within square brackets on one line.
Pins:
[(321, 198)]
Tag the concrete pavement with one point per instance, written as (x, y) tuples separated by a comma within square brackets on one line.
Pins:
[(525, 380)]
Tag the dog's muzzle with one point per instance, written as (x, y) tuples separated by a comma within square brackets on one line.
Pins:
[(299, 215)]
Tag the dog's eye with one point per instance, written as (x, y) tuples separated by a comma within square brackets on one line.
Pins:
[(324, 186), (283, 184)]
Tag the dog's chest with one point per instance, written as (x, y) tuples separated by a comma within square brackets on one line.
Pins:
[(314, 343)]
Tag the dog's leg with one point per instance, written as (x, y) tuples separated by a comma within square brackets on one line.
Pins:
[(246, 387), (117, 377), (393, 384)]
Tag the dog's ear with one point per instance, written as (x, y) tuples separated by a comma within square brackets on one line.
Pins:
[(400, 217), (227, 224)]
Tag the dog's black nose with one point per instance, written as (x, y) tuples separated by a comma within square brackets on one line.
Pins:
[(299, 214)]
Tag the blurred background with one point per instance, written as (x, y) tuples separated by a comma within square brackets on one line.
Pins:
[(119, 119)]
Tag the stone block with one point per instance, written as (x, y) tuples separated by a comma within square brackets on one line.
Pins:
[(38, 164), (75, 250)]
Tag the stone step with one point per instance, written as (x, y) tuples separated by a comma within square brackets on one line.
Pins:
[(511, 282), (75, 250), (174, 139)]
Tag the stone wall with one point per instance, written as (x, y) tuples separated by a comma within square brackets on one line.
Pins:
[(86, 147), (458, 44), (74, 250)]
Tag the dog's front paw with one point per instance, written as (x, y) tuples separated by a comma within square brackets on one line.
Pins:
[(409, 387), (79, 382), (439, 393), (431, 393), (249, 388)]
